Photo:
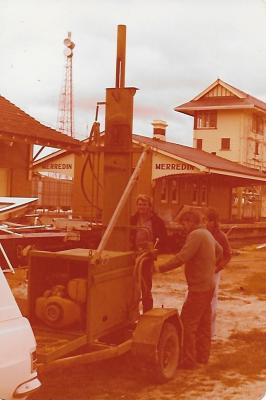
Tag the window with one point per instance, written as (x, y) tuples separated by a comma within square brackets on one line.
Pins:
[(164, 192), (257, 123), (195, 192), (199, 144), (256, 152), (174, 191), (203, 195), (225, 144), (205, 119)]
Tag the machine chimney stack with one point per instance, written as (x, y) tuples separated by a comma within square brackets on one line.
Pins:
[(121, 57), (118, 149), (159, 129)]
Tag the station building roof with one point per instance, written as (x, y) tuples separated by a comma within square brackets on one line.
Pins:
[(18, 126), (221, 96), (206, 162)]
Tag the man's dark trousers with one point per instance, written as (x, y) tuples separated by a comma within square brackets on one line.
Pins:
[(146, 285), (196, 319)]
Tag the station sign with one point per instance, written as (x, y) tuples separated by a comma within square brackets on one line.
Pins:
[(61, 165), (163, 165)]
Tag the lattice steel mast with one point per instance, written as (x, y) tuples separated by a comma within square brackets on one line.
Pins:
[(65, 120)]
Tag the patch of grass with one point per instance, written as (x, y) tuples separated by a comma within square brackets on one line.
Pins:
[(244, 357), (250, 277), (254, 336), (255, 284)]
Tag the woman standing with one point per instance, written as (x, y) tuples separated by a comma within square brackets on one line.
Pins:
[(212, 224)]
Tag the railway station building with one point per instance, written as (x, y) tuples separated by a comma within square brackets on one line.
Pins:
[(225, 168), (19, 132), (231, 123), (174, 175)]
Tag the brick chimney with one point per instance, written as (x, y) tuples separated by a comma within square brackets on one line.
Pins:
[(159, 128)]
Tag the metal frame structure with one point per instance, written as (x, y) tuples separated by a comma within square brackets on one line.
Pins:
[(65, 123)]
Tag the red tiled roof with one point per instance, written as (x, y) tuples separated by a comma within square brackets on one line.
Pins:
[(190, 154), (15, 124), (200, 157), (226, 102)]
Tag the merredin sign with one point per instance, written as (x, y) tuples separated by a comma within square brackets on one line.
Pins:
[(62, 165), (174, 166), (163, 166), (57, 166)]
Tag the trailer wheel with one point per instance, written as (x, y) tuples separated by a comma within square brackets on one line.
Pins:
[(53, 313), (168, 353)]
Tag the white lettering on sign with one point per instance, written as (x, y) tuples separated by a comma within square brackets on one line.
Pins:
[(58, 166), (172, 166)]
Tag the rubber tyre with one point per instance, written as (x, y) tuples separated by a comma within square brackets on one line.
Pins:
[(168, 353), (53, 313)]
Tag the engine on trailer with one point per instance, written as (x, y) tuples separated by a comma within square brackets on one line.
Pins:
[(61, 305)]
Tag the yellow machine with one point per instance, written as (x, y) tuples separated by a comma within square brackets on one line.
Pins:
[(88, 299)]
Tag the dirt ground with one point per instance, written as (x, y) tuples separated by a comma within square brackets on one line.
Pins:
[(237, 367)]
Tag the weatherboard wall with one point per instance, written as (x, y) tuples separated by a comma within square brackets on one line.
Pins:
[(14, 166)]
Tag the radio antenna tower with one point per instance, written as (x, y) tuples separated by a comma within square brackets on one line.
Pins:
[(65, 120)]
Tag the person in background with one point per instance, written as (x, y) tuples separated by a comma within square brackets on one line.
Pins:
[(149, 228), (199, 254), (212, 224)]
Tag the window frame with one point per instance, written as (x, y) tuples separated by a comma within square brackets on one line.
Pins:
[(225, 147), (203, 195), (174, 188), (195, 193), (197, 144), (257, 125), (206, 119), (164, 190)]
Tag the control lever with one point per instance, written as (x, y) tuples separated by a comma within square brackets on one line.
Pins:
[(151, 251)]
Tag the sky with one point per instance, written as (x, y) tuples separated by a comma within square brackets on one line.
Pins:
[(175, 50)]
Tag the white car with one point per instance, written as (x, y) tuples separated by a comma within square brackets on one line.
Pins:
[(18, 375)]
